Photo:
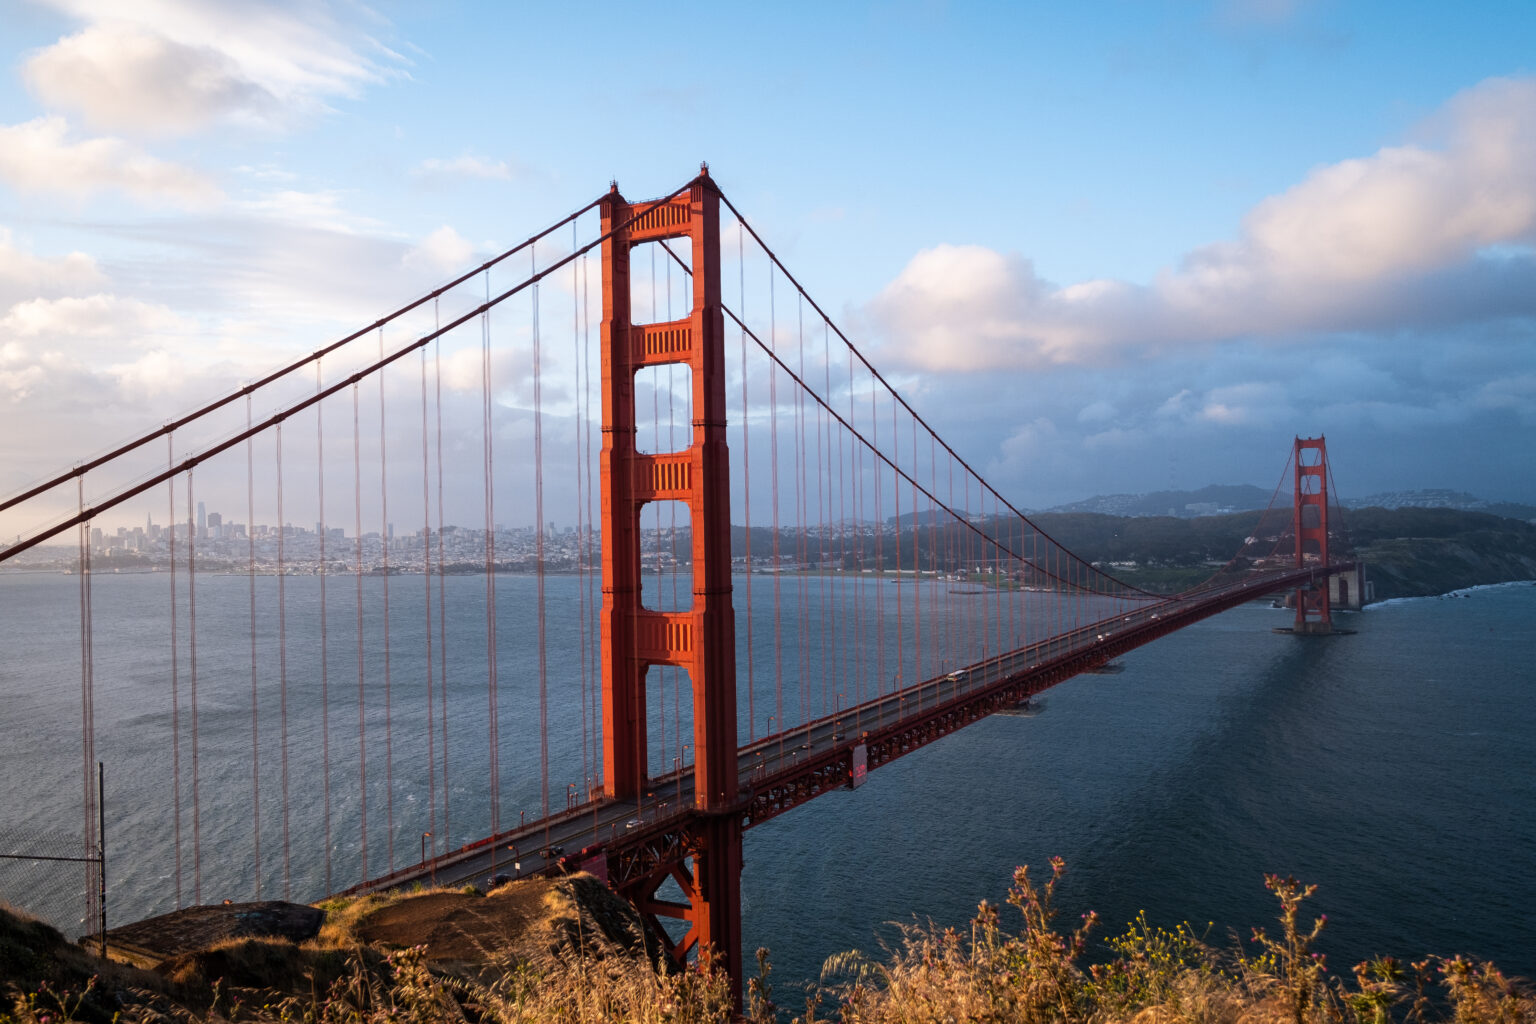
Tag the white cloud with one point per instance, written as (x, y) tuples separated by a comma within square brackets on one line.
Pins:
[(1248, 404), (464, 167), (23, 274), (92, 316), (38, 156), (165, 67), (1412, 235), (122, 78), (323, 209), (443, 251)]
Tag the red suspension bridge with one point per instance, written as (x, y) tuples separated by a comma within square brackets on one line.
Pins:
[(777, 579)]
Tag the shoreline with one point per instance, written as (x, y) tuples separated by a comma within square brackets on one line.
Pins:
[(1466, 591)]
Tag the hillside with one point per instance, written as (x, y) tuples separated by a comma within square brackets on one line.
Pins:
[(1420, 552)]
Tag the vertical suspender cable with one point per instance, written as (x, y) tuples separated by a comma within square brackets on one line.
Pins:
[(581, 560), (901, 644), (593, 578), (936, 645), (362, 718), (282, 658), (746, 473), (250, 515), (538, 551), (917, 568), (493, 723), (389, 743), (426, 607), (170, 545), (773, 460), (850, 663), (824, 513), (803, 662), (88, 711), (442, 577), (952, 639), (197, 816), (860, 633), (874, 426), (325, 679)]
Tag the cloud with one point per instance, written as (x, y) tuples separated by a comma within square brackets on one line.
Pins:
[(168, 67), (323, 209), (1515, 394), (38, 156), (1430, 232), (443, 251), (92, 316), (464, 167), (23, 274)]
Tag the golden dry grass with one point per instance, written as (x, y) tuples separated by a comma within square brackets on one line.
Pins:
[(1030, 973)]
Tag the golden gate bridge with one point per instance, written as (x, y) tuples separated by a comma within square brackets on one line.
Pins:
[(779, 579)]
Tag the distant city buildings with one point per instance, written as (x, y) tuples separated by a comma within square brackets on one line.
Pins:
[(218, 543)]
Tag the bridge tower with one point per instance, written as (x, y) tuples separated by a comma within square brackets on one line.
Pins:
[(1313, 614), (704, 856)]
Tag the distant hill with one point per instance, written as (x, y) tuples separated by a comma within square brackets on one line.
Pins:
[(1214, 500), (1460, 501), (1219, 499)]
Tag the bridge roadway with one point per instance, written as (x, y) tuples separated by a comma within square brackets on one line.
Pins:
[(783, 770)]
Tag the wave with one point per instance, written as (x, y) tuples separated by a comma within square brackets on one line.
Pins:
[(1459, 592)]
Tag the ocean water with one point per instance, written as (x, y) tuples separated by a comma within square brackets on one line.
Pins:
[(1393, 767)]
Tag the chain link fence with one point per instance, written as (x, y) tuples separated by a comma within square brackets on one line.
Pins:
[(32, 860)]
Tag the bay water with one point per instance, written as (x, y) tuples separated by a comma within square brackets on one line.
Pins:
[(1394, 767)]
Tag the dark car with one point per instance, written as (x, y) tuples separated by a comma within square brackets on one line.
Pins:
[(496, 881)]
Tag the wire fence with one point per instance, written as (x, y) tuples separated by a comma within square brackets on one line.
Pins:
[(24, 851)]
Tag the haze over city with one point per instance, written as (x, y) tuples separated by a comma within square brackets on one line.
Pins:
[(1108, 247)]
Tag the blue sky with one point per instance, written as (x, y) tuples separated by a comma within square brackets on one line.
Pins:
[(1104, 246)]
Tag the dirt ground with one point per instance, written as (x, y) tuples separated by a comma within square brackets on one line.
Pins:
[(527, 920)]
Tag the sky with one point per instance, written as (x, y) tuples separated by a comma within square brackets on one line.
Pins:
[(1102, 247)]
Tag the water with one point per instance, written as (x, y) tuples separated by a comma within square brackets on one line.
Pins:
[(1393, 767)]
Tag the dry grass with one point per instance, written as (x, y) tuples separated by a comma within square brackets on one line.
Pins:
[(1035, 973), (1039, 975)]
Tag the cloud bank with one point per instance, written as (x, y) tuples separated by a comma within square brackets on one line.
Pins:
[(1434, 231)]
